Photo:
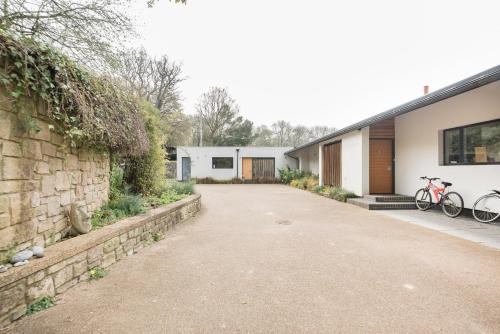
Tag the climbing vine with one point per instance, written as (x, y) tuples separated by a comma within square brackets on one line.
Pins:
[(87, 109)]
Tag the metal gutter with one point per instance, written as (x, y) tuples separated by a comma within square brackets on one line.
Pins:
[(465, 85)]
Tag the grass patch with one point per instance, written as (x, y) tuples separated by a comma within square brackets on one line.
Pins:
[(97, 273), (157, 237), (40, 305)]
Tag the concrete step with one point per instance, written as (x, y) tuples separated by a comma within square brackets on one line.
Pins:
[(370, 204), (390, 198)]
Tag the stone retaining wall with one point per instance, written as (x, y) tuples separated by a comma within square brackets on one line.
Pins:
[(40, 176), (68, 263)]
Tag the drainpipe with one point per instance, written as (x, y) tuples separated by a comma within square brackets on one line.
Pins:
[(237, 163)]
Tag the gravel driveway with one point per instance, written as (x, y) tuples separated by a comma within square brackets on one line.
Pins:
[(273, 259)]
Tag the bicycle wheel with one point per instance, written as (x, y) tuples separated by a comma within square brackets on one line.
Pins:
[(487, 208), (423, 199), (452, 204)]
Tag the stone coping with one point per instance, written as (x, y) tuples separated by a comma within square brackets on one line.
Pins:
[(68, 248)]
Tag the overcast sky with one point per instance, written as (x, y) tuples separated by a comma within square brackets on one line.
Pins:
[(322, 62)]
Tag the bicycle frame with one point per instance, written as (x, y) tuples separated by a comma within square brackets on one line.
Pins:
[(436, 191)]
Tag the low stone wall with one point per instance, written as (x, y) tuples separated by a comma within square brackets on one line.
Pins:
[(68, 263)]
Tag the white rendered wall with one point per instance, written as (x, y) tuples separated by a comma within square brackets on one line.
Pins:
[(309, 159), (201, 160), (418, 148)]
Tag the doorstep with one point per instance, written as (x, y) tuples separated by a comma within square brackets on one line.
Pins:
[(384, 202)]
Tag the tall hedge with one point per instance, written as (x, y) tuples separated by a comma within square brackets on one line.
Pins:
[(146, 173)]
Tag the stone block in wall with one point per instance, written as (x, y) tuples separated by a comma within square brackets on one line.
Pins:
[(4, 220), (65, 198), (42, 167), (32, 149), (55, 164), (80, 268), (54, 206), (110, 245), (108, 259), (5, 120), (62, 276), (71, 162), (35, 199), (44, 288), (48, 185), (17, 312), (7, 187), (16, 168), (11, 149), (95, 253), (43, 132), (20, 205), (36, 277), (49, 149), (62, 181), (12, 297)]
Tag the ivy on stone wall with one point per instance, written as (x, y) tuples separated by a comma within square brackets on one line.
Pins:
[(89, 110)]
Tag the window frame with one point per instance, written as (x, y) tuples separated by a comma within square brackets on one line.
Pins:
[(232, 163), (461, 145)]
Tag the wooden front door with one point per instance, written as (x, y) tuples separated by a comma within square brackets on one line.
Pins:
[(381, 166), (332, 164), (246, 168)]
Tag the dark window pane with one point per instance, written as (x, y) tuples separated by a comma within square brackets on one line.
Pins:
[(482, 143), (222, 163), (452, 146)]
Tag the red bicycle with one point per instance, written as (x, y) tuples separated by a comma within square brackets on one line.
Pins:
[(431, 195)]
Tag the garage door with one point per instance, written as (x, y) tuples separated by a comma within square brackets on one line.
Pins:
[(262, 168)]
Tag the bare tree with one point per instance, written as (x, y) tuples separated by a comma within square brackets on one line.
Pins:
[(154, 79), (319, 131), (282, 131), (216, 112), (85, 29)]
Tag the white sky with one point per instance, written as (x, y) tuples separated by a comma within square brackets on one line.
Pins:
[(322, 62)]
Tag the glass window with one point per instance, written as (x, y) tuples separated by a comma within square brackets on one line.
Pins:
[(222, 163), (474, 144), (452, 146)]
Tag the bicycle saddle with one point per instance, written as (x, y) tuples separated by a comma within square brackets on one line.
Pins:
[(498, 192), (446, 184)]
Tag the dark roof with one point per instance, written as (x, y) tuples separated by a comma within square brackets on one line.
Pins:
[(475, 81)]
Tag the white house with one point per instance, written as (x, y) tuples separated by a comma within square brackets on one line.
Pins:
[(452, 133), (225, 163)]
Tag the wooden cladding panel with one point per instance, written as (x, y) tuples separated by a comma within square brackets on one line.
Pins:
[(332, 164), (383, 129), (263, 167)]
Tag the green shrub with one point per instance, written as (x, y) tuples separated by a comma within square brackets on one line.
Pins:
[(340, 194), (40, 305), (287, 175), (97, 273), (124, 206), (185, 188), (116, 184), (146, 173)]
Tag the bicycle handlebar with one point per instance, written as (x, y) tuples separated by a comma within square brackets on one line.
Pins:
[(429, 178)]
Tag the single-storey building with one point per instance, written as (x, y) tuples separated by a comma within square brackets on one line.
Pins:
[(225, 163), (452, 133)]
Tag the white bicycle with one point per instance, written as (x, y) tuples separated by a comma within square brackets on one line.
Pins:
[(487, 207)]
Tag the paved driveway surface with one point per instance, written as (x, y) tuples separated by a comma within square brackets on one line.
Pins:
[(273, 259)]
